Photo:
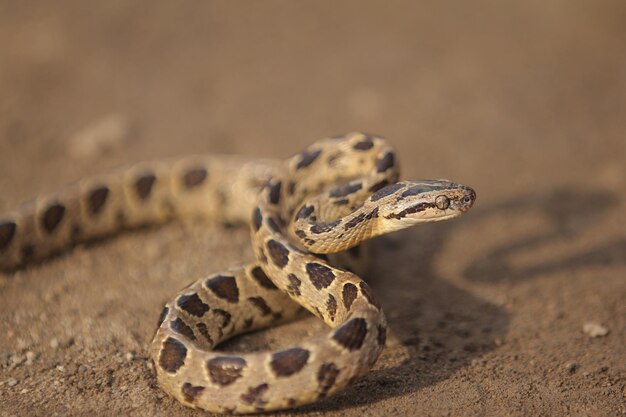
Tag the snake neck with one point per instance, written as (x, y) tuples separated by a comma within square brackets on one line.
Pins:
[(335, 235)]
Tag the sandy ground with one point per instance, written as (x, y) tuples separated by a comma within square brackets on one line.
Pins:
[(525, 102)]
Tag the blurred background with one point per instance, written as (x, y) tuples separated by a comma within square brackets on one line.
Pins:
[(523, 101)]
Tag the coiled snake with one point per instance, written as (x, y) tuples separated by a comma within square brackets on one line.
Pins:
[(335, 194)]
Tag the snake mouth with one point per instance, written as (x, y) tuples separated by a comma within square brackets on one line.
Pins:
[(450, 214)]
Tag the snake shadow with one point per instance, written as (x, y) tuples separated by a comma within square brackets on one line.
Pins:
[(442, 328), (569, 213)]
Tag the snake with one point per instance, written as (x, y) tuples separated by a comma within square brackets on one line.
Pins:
[(305, 215)]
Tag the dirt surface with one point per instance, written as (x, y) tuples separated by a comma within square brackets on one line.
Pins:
[(490, 314)]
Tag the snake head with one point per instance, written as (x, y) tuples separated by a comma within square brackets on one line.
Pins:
[(411, 202)]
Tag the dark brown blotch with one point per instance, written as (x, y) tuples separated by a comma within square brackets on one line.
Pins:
[(304, 212), (320, 275), (331, 307), (334, 157), (193, 305), (52, 217), (254, 394), (278, 252), (224, 370), (273, 225), (291, 188), (386, 162), (348, 293), (341, 202), (262, 279), (225, 315), (194, 177), (410, 210), (351, 334), (97, 198), (262, 256), (204, 331), (143, 186), (172, 355), (224, 286), (274, 192), (384, 192), (367, 293), (326, 377), (307, 158), (261, 304), (353, 222), (289, 361), (7, 232), (190, 392), (364, 145), (180, 327), (257, 219), (324, 227), (415, 190), (163, 315), (346, 190), (294, 285)]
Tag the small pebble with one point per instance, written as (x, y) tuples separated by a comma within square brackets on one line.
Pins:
[(129, 356), (17, 360), (104, 135), (60, 368), (595, 329), (571, 367), (54, 343), (30, 357), (12, 382)]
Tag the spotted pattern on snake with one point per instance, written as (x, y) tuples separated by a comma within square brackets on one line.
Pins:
[(329, 198)]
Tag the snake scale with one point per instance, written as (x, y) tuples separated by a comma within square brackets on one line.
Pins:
[(328, 198)]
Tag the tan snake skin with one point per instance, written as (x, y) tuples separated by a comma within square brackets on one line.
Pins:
[(329, 198)]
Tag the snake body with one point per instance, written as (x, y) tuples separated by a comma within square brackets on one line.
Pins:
[(326, 199)]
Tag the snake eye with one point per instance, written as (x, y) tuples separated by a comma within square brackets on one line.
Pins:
[(442, 202)]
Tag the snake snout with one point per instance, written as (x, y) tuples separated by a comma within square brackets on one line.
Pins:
[(467, 201)]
